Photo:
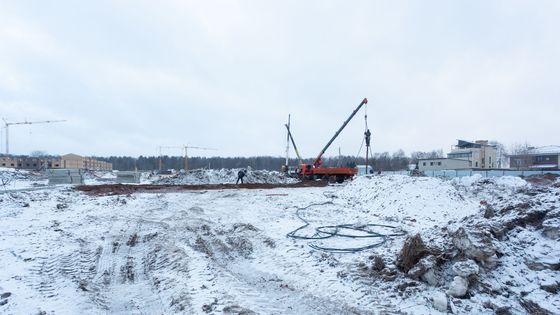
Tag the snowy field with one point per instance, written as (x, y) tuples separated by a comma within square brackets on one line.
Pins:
[(12, 179), (487, 246)]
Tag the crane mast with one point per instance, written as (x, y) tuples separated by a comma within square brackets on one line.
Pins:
[(185, 157), (300, 160)]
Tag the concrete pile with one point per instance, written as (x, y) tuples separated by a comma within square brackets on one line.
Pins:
[(128, 177)]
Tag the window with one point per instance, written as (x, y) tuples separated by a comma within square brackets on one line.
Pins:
[(431, 163), (424, 163), (476, 164), (542, 158), (459, 155), (439, 163)]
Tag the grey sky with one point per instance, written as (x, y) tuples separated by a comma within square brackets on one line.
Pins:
[(132, 75)]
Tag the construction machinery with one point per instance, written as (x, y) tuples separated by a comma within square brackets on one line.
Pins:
[(316, 171), (8, 124), (185, 158), (300, 160)]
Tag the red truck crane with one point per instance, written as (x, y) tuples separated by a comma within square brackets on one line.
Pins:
[(315, 171)]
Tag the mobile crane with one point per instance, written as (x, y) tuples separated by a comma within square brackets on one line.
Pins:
[(315, 171)]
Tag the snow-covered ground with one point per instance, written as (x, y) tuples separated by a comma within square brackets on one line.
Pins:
[(490, 246), (224, 176), (11, 179)]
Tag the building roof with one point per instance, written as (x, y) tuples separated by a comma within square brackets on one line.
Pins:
[(460, 151), (71, 156), (544, 166), (549, 149), (433, 159), (462, 144)]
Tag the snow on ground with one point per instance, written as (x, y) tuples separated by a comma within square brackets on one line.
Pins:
[(419, 202), (225, 176), (11, 179), (226, 251)]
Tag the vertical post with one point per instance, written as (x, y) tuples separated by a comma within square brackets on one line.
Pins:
[(367, 134), (7, 145), (160, 162), (287, 144), (186, 160), (367, 153)]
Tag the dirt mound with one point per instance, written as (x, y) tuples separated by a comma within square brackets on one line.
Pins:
[(224, 176), (120, 189), (542, 179)]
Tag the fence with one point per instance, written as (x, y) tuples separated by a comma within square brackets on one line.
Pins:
[(488, 173)]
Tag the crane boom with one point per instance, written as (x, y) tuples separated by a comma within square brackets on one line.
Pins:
[(300, 160), (32, 122), (318, 161)]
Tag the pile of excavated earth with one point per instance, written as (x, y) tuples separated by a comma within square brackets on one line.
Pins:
[(226, 176), (379, 244)]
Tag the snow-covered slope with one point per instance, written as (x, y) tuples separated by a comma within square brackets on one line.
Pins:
[(419, 201), (490, 246)]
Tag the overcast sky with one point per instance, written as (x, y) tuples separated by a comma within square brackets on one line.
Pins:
[(129, 76)]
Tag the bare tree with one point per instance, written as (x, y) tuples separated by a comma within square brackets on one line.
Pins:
[(519, 152), (501, 154), (38, 153)]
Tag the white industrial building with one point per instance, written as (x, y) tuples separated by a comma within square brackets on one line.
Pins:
[(465, 155)]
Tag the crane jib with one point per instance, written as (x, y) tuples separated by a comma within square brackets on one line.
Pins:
[(317, 161)]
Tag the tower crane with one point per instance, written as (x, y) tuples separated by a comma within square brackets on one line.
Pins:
[(186, 147), (185, 157), (8, 124)]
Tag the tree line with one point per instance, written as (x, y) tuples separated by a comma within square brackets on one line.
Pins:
[(379, 161)]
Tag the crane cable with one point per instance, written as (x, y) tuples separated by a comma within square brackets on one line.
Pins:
[(366, 128)]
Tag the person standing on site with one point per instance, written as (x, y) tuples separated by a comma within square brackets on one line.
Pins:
[(240, 176)]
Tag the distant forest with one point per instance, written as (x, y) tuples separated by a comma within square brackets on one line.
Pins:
[(380, 161)]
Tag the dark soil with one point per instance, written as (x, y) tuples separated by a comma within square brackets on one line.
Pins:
[(123, 189), (544, 179), (413, 250)]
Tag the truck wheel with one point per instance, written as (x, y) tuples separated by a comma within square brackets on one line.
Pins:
[(339, 179)]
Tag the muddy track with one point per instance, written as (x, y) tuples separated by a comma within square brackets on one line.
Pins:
[(122, 189)]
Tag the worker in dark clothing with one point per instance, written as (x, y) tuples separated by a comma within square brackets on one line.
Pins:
[(240, 176)]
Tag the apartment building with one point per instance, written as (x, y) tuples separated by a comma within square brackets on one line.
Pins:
[(76, 161), (70, 161), (29, 163)]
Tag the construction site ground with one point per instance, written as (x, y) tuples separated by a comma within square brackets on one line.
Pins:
[(119, 189), (157, 249)]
